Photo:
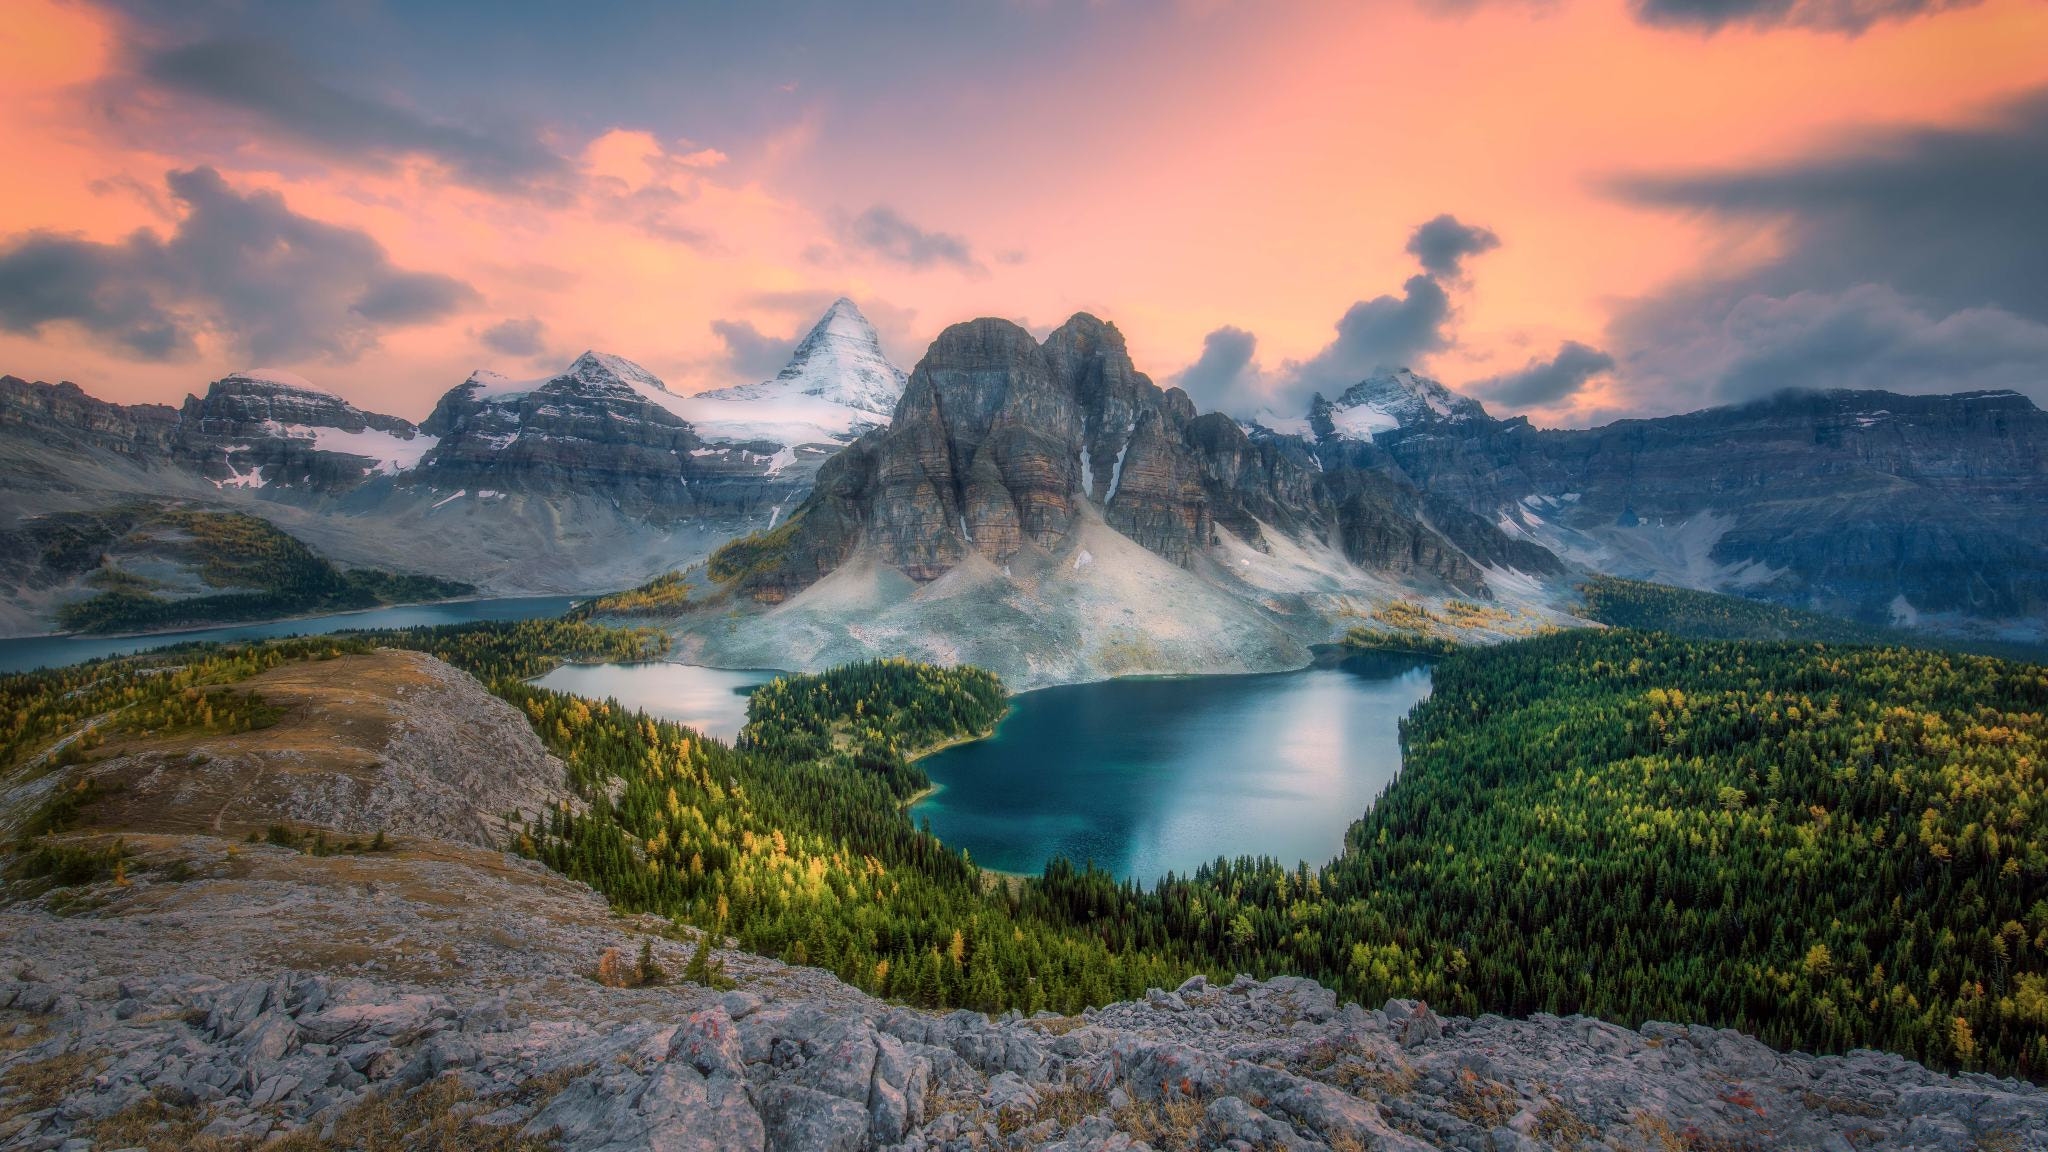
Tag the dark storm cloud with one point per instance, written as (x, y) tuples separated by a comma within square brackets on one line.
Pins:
[(1688, 351), (1223, 377), (1910, 258), (751, 353), (516, 336), (45, 277), (1546, 381), (881, 231), (1846, 16), (1384, 332), (268, 81), (278, 285), (1954, 215), (1442, 245)]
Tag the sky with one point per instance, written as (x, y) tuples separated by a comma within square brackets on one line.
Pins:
[(1577, 210)]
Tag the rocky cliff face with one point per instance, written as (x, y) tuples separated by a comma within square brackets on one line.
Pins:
[(604, 424), (1870, 504), (1000, 441), (258, 428), (65, 414)]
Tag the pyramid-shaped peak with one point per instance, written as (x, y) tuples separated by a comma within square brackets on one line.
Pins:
[(594, 366), (843, 321), (1386, 400)]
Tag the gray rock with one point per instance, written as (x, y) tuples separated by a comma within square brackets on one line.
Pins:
[(800, 1119)]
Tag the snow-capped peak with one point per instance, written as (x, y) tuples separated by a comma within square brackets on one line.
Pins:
[(1385, 401), (604, 368), (839, 361)]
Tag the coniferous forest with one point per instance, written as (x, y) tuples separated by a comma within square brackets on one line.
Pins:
[(1829, 846)]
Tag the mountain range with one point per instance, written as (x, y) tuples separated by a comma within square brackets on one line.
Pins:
[(1044, 506), (590, 478)]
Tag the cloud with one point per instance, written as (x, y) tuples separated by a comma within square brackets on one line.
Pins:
[(515, 336), (1443, 244), (1845, 16), (751, 353), (270, 83), (1223, 377), (1384, 332), (1543, 382), (1938, 231), (1869, 336), (278, 286), (882, 232)]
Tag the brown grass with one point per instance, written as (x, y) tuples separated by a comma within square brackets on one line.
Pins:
[(438, 1117), (335, 718), (1560, 1126), (1172, 1125), (39, 1084)]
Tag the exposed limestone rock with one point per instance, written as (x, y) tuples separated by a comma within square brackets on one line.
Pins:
[(169, 997)]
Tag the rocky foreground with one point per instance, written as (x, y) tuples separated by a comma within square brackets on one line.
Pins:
[(221, 995)]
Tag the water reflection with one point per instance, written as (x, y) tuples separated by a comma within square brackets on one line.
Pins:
[(1147, 776), (711, 700)]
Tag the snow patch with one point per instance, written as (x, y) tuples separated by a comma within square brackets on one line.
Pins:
[(459, 494), (390, 452), (253, 478), (1082, 559), (1116, 470)]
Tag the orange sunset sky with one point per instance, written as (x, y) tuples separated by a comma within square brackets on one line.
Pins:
[(1653, 205)]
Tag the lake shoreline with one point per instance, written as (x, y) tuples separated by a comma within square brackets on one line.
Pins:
[(1145, 776)]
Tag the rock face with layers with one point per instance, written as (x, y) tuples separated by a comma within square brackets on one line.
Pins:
[(263, 427), (1000, 440), (1869, 504)]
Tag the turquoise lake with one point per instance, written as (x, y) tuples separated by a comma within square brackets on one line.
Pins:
[(1147, 776)]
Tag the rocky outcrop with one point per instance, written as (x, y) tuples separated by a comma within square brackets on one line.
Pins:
[(171, 1003)]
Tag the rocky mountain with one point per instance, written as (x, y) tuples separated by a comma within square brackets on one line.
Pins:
[(263, 426), (1887, 508), (1385, 401), (597, 476), (1000, 455), (839, 361), (1046, 509), (1000, 442), (216, 991)]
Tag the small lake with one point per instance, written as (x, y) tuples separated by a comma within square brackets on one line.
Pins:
[(1146, 776), (711, 700), (30, 652)]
